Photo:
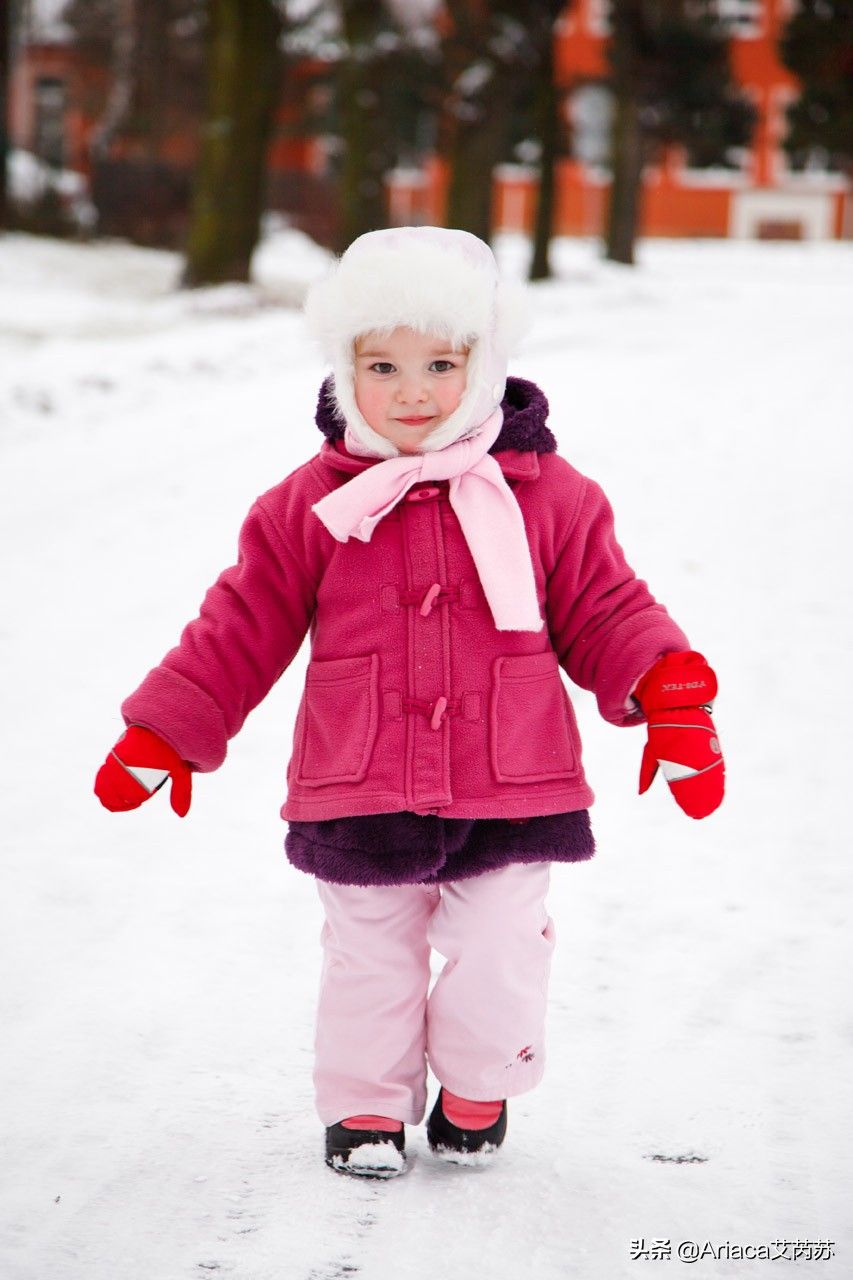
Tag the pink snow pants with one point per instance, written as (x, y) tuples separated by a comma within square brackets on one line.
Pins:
[(481, 1028)]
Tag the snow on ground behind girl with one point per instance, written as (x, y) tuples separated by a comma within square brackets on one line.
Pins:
[(161, 974)]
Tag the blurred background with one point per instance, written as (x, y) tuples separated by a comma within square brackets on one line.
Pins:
[(177, 172), (181, 124)]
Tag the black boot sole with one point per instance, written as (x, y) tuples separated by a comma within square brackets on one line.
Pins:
[(345, 1152), (451, 1143)]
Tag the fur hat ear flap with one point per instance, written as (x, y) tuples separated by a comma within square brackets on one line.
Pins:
[(513, 315)]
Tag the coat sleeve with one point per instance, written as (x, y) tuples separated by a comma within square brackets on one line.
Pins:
[(250, 626), (605, 625)]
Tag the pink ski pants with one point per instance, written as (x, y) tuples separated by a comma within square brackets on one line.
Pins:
[(481, 1027)]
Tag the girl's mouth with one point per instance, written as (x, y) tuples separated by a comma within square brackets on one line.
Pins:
[(415, 422)]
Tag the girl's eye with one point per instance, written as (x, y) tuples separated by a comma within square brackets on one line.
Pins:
[(442, 366), (382, 366)]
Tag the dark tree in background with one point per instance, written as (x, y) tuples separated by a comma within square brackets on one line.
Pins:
[(183, 69), (672, 84), (243, 70), (369, 37), (152, 55), (487, 53), (817, 46), (381, 98), (154, 50), (5, 44), (547, 131), (376, 91)]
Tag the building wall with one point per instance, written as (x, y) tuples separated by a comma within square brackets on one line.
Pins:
[(762, 198), (84, 88), (679, 201)]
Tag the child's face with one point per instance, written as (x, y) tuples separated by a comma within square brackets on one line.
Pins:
[(407, 384)]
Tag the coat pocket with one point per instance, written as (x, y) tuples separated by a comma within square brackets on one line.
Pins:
[(531, 724), (337, 721)]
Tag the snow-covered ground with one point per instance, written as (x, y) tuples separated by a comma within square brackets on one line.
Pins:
[(159, 976), (31, 179)]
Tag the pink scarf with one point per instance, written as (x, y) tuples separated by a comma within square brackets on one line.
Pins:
[(485, 505)]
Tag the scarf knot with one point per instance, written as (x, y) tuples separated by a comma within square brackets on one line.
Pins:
[(486, 507)]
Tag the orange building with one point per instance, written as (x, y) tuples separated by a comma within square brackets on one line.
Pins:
[(57, 99), (757, 195), (56, 96)]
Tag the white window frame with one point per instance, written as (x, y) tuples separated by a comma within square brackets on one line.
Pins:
[(813, 210), (598, 20), (594, 172), (50, 105), (601, 175), (742, 19)]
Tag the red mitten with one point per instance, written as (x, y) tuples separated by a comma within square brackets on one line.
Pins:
[(137, 766), (676, 697)]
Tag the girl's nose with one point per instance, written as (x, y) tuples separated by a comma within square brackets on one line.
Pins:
[(412, 391)]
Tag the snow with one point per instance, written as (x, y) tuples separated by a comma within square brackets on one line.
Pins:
[(42, 20), (481, 1159), (373, 1159), (160, 974), (31, 179)]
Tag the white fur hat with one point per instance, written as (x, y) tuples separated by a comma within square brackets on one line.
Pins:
[(436, 281)]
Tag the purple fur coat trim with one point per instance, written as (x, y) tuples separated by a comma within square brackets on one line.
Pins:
[(412, 848), (415, 848)]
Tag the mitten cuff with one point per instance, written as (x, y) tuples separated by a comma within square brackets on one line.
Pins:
[(677, 680)]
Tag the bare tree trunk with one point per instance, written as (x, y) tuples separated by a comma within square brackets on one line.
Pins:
[(147, 114), (626, 138), (546, 113), (362, 190), (6, 8), (475, 153), (475, 118), (243, 80), (121, 86), (626, 163)]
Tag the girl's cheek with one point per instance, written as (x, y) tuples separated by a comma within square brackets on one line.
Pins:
[(370, 401), (453, 397)]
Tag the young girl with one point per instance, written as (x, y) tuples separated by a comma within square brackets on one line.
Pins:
[(447, 562)]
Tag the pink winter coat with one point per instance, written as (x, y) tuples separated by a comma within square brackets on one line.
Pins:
[(413, 700)]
